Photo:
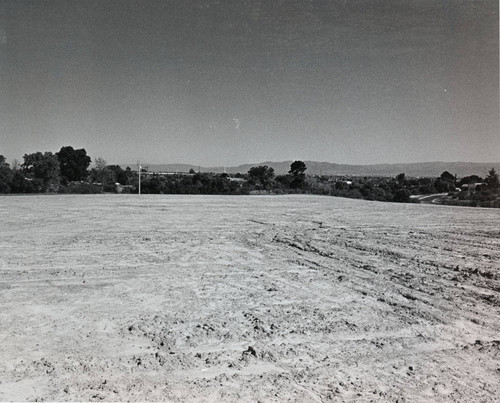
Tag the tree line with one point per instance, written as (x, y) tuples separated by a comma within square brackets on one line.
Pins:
[(68, 171), (468, 191)]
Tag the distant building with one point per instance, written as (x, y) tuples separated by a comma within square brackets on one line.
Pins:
[(472, 186)]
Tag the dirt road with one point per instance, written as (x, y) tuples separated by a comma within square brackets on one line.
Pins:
[(433, 198), (293, 298)]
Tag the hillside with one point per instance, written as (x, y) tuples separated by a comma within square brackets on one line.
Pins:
[(420, 169)]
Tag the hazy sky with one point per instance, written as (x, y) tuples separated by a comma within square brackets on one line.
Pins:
[(224, 82)]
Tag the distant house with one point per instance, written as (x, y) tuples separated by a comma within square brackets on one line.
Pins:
[(472, 186), (240, 180)]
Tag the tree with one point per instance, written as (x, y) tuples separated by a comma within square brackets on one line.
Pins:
[(121, 175), (402, 195), (15, 165), (446, 176), (445, 183), (44, 169), (492, 180), (297, 169), (100, 163), (284, 180), (73, 163), (102, 174), (262, 174), (5, 175), (22, 184)]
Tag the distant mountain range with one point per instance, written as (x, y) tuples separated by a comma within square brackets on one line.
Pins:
[(419, 169)]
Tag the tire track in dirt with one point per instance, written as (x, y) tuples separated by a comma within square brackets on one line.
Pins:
[(421, 303)]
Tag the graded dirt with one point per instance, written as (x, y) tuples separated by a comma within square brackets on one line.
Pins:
[(281, 298)]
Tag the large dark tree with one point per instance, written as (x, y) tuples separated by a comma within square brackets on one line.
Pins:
[(73, 163), (446, 176), (401, 178), (262, 174), (5, 175), (43, 168), (492, 180), (445, 183), (297, 169)]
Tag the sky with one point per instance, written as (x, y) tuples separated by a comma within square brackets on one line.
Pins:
[(227, 82)]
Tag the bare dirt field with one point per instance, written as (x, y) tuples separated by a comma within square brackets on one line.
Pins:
[(282, 298)]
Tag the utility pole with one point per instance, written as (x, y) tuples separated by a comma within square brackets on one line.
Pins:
[(139, 168)]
